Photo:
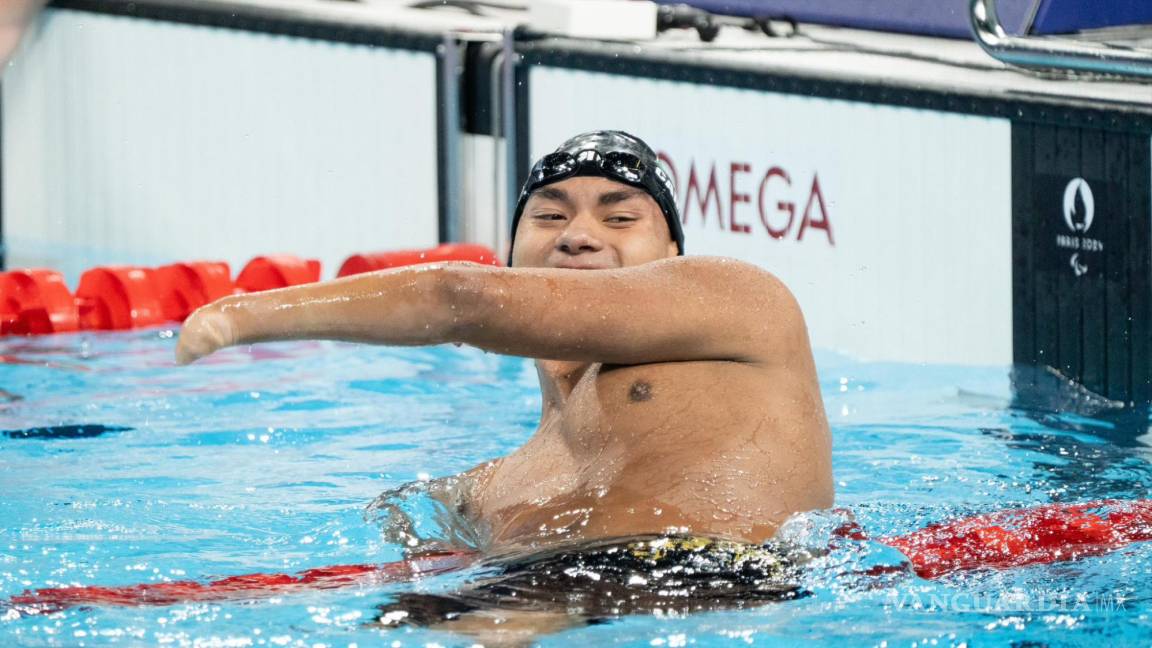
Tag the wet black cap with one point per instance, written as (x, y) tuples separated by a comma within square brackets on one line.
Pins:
[(614, 155)]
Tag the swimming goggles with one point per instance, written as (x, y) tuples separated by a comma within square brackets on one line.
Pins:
[(560, 165)]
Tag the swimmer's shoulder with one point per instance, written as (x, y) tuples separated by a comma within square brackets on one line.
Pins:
[(750, 302), (745, 282)]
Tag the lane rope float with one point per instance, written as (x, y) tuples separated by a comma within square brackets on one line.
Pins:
[(38, 302), (1044, 534)]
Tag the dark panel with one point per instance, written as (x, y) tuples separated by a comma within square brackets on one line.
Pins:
[(479, 85), (1023, 285), (523, 119), (1069, 287), (1082, 255), (1047, 307), (1140, 255), (1093, 296), (1117, 336), (447, 134), (1045, 143)]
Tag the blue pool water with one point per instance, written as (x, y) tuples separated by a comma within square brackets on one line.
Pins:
[(263, 459)]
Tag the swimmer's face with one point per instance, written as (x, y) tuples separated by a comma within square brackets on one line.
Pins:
[(590, 223)]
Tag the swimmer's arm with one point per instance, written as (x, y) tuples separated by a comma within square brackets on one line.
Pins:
[(405, 307), (680, 309)]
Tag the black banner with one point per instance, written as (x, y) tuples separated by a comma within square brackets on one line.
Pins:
[(1082, 260)]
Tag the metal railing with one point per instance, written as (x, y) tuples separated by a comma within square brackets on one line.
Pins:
[(1054, 53)]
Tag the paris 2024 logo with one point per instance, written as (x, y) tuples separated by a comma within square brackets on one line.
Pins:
[(1079, 212)]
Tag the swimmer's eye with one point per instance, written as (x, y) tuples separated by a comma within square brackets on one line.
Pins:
[(548, 217), (620, 219)]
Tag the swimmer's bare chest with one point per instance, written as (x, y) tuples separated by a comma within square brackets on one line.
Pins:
[(717, 448)]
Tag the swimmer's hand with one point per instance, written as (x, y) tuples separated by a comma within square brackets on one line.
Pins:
[(207, 330)]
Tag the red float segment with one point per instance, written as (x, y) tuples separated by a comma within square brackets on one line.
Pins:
[(118, 297), (277, 271), (36, 302), (474, 253), (361, 263), (313, 268), (1043, 534), (184, 287), (239, 588), (126, 297)]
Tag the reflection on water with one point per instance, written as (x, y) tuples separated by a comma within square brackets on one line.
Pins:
[(1092, 446), (63, 431), (8, 397), (1052, 400)]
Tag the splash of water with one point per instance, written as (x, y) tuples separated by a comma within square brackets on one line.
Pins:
[(426, 516)]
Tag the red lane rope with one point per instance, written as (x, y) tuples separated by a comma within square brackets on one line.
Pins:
[(37, 302), (1015, 538), (1001, 540), (243, 587)]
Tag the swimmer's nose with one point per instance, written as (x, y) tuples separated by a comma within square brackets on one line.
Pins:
[(578, 241)]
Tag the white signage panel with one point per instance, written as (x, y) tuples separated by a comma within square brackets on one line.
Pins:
[(891, 225), (141, 141)]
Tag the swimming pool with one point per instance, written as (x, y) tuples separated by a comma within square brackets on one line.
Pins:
[(263, 459)]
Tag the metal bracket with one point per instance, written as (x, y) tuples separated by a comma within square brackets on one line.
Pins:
[(1053, 53)]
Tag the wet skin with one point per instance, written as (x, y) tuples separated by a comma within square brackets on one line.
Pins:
[(679, 393)]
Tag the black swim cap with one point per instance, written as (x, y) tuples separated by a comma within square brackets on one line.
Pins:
[(614, 155)]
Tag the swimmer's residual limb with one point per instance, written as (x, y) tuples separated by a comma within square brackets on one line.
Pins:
[(527, 312)]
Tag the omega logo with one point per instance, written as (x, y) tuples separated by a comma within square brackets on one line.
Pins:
[(746, 199)]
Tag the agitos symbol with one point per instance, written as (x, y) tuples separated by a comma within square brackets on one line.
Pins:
[(766, 202)]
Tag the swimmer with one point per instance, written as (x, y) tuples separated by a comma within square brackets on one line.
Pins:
[(679, 393)]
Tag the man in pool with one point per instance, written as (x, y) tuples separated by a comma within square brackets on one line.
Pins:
[(680, 396)]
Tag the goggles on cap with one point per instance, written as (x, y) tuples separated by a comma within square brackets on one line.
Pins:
[(620, 165), (561, 165)]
